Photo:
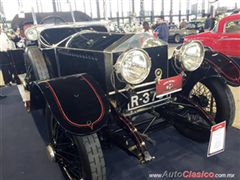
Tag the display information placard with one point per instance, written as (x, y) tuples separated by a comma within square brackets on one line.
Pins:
[(217, 139)]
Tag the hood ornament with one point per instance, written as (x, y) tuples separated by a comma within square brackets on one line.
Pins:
[(158, 74)]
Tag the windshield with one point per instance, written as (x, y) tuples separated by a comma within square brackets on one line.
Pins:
[(140, 40), (191, 26), (194, 25), (93, 40), (172, 27), (114, 42), (55, 35)]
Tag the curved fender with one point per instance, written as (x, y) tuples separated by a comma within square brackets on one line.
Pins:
[(77, 102), (225, 66)]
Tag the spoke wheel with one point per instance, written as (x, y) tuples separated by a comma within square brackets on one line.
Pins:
[(79, 157), (216, 99), (67, 154), (203, 96)]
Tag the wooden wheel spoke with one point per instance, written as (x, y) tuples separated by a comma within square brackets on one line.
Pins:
[(75, 171), (73, 168), (201, 90), (65, 160)]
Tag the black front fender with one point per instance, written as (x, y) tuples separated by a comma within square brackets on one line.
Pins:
[(224, 66), (77, 102)]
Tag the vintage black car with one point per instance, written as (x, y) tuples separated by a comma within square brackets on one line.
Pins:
[(102, 88)]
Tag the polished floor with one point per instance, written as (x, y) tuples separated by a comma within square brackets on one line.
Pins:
[(23, 154)]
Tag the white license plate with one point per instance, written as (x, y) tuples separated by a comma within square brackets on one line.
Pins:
[(142, 99)]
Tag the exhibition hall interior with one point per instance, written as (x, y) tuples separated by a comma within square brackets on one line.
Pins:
[(119, 89)]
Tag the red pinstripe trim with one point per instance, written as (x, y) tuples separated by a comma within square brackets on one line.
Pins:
[(64, 114), (229, 77), (137, 136)]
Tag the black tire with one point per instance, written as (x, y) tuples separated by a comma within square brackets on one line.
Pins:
[(177, 38), (35, 62), (80, 157), (225, 109)]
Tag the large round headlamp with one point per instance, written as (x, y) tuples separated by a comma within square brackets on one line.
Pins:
[(191, 55), (31, 34), (133, 66)]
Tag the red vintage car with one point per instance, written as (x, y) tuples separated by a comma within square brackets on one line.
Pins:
[(224, 38)]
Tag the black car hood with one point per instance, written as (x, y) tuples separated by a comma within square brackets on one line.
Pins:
[(113, 42)]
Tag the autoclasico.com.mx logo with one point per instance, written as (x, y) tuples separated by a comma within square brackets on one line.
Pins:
[(190, 174)]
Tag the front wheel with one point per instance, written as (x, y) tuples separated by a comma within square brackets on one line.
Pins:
[(216, 99), (79, 157), (177, 38)]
